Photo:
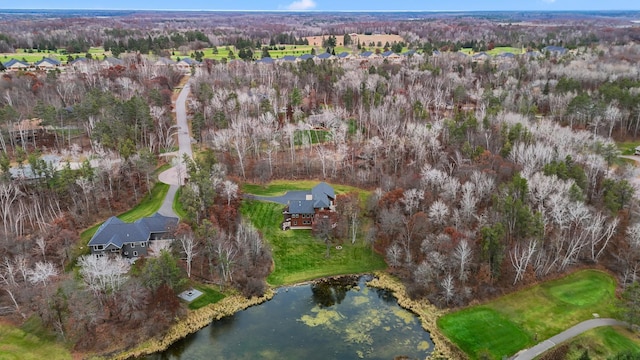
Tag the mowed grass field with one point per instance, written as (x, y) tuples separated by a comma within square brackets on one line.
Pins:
[(495, 51), (20, 54), (298, 256), (17, 344), (504, 326), (602, 343)]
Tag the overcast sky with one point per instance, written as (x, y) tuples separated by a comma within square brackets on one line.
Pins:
[(326, 5)]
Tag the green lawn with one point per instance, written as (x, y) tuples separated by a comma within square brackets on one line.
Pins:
[(17, 344), (495, 51), (147, 207), (210, 296), (280, 187), (628, 147), (504, 49), (298, 256), (539, 312), (20, 54), (602, 343)]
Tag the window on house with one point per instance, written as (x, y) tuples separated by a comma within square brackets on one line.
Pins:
[(133, 245), (142, 244), (295, 222), (99, 247), (135, 253), (126, 253)]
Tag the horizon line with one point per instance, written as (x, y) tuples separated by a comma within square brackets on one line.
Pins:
[(315, 10)]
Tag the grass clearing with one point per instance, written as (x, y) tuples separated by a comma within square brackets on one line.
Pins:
[(297, 254), (210, 296), (147, 207), (601, 343), (280, 187), (16, 343), (628, 147), (538, 312), (482, 329)]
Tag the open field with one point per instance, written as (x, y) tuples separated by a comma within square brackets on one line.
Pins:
[(365, 40), (17, 344), (24, 55), (518, 320), (495, 51), (298, 256)]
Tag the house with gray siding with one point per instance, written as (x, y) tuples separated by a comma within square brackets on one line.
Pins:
[(131, 240)]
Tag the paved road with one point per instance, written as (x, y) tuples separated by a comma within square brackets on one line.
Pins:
[(176, 175), (529, 354)]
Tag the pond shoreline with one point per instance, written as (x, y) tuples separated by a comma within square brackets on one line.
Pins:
[(424, 310), (193, 322), (200, 318)]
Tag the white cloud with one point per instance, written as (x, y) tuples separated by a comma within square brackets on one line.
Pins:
[(302, 5)]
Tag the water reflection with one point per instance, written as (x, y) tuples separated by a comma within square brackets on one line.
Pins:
[(342, 319)]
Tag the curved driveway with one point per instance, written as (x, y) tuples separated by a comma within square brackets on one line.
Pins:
[(576, 330), (282, 199), (176, 175)]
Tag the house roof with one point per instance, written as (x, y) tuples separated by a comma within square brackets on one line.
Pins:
[(78, 60), (322, 195), (265, 60), (49, 61), (164, 61), (366, 53), (189, 61), (555, 49), (113, 61), (324, 56), (301, 207), (15, 63), (306, 56), (117, 233), (305, 202), (507, 55), (343, 55), (288, 58)]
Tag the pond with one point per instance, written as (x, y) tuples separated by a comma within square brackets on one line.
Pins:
[(330, 319)]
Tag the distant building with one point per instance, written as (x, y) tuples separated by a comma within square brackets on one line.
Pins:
[(555, 50), (15, 65), (47, 64)]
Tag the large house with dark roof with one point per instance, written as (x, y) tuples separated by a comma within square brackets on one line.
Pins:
[(307, 206), (131, 240)]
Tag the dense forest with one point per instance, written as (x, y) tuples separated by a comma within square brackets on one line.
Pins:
[(487, 174)]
